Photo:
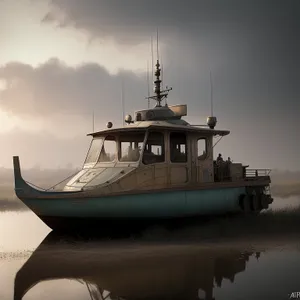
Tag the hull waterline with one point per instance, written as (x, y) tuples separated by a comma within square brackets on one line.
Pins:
[(70, 211)]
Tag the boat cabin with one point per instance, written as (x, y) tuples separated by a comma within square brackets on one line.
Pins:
[(162, 148), (179, 153)]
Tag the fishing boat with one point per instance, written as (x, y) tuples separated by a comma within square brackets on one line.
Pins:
[(129, 270), (156, 167)]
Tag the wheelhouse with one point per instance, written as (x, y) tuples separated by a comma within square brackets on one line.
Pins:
[(178, 153)]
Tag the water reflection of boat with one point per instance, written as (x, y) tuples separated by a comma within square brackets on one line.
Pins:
[(157, 167), (133, 271)]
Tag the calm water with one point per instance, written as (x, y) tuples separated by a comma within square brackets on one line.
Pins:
[(35, 264)]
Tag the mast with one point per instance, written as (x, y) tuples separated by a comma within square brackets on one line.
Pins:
[(159, 94), (211, 95), (122, 99), (152, 60), (148, 84), (93, 120), (157, 83)]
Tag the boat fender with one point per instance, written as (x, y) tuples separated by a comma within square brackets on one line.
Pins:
[(245, 203), (241, 202), (255, 205), (263, 201)]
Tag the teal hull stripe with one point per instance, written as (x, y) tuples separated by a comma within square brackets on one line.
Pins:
[(154, 205)]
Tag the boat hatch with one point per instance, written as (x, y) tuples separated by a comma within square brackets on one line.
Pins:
[(96, 176)]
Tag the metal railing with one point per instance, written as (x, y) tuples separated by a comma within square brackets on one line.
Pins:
[(257, 172)]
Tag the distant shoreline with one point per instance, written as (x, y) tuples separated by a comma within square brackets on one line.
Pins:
[(12, 205), (285, 190)]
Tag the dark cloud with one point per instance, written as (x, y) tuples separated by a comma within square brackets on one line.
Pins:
[(252, 48), (134, 20), (262, 113), (53, 88)]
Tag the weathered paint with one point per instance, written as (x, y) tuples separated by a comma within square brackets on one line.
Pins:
[(155, 205)]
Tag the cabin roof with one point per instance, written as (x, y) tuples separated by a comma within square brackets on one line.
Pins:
[(143, 125)]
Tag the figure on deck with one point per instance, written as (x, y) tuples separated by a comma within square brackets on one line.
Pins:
[(220, 159)]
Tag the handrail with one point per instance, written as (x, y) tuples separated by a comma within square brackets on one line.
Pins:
[(35, 186), (53, 187), (257, 172)]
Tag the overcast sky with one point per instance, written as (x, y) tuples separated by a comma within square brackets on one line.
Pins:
[(62, 59)]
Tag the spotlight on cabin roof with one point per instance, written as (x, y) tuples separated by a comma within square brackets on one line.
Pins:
[(128, 119), (211, 122), (109, 125)]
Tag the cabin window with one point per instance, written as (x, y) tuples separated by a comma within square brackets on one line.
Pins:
[(108, 151), (202, 148), (178, 147), (94, 151), (131, 146), (154, 151)]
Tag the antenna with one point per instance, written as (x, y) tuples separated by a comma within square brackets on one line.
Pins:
[(122, 99), (162, 73), (157, 45), (152, 60), (93, 121), (211, 121), (148, 84), (211, 95), (159, 94)]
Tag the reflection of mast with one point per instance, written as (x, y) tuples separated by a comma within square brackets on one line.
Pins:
[(228, 268)]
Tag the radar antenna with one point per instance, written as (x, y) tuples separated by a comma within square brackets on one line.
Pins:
[(211, 120), (159, 94)]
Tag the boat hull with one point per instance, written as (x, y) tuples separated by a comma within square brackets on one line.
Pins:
[(121, 227), (84, 209), (127, 210)]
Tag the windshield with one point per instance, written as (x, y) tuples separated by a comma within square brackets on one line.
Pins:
[(93, 154), (108, 151), (130, 146)]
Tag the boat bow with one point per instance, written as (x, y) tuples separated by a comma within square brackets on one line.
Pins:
[(25, 190)]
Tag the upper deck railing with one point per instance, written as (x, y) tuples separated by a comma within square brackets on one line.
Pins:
[(254, 173)]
